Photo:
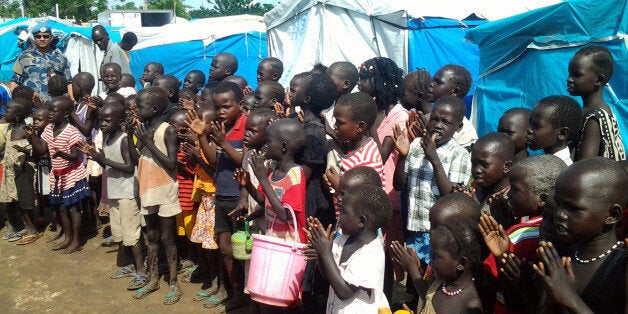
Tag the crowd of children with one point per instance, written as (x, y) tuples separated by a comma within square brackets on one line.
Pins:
[(380, 184)]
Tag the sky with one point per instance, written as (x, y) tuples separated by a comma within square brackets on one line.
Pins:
[(194, 4)]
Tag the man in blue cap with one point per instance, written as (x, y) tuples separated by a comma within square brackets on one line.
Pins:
[(34, 66)]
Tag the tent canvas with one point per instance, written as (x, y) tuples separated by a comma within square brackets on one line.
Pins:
[(525, 57), (183, 47)]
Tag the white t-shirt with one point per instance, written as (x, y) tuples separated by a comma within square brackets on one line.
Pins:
[(364, 269), (564, 155)]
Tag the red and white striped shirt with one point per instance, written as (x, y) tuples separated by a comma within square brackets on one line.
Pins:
[(368, 155), (70, 171)]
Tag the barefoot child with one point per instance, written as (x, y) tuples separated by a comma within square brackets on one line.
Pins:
[(429, 166), (17, 192), (354, 263), (41, 118), (122, 189), (554, 122), (515, 123), (156, 176), (67, 179), (590, 197), (590, 69)]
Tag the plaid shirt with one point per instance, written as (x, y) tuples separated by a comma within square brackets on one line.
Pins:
[(422, 187)]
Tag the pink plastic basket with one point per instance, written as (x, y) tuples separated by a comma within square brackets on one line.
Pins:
[(277, 268)]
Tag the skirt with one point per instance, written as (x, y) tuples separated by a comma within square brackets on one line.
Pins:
[(72, 195)]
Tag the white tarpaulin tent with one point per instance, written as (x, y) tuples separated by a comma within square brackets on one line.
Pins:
[(303, 33)]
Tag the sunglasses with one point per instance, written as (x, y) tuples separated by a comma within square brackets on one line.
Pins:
[(42, 36)]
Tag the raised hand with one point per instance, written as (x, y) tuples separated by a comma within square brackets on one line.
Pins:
[(242, 177), (279, 110), (29, 130), (217, 132), (429, 147), (259, 168), (94, 102), (185, 136), (248, 91), (332, 178), (494, 235), (186, 103), (38, 102), (510, 267), (400, 138), (191, 150), (143, 135), (319, 241), (196, 125), (556, 273), (405, 257)]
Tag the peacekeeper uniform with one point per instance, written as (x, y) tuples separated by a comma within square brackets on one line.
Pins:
[(33, 68)]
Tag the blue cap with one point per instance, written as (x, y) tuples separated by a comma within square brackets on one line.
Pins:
[(41, 27)]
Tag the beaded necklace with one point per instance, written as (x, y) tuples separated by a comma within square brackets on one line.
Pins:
[(586, 261), (450, 293)]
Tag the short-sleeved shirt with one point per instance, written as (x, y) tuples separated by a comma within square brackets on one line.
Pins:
[(421, 184), (115, 54), (33, 68), (226, 186), (291, 193), (363, 269), (398, 115), (318, 201), (67, 172)]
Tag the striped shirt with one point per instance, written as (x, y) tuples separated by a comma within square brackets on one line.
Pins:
[(69, 172), (367, 155)]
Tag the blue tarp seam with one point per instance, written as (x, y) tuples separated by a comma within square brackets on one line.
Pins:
[(576, 44)]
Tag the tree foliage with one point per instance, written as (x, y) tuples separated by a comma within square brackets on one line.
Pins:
[(231, 7), (181, 9), (80, 10), (126, 6), (10, 9)]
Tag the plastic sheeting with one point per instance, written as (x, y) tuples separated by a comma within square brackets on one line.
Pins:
[(304, 33), (525, 57), (435, 42)]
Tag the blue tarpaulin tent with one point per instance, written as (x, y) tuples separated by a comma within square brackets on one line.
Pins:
[(525, 57), (187, 46), (434, 42)]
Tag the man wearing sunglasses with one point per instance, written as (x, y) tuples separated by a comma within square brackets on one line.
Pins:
[(113, 52), (34, 66)]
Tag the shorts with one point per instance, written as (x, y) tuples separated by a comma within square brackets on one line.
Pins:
[(185, 222), (165, 210), (125, 221), (420, 242), (224, 205)]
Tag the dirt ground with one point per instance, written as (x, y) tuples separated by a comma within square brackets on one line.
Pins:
[(36, 279)]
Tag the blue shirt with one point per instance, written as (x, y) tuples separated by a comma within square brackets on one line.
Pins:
[(33, 68)]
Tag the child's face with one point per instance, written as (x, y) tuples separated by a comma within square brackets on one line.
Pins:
[(410, 94), (541, 133), (263, 98), (219, 69), (348, 217), (295, 87), (150, 73), (367, 85), (11, 112), (521, 199), (264, 72), (193, 81), (582, 78), (347, 129), (145, 110), (109, 121), (443, 123), (40, 120), (255, 133), (178, 121), (443, 263), (111, 78), (339, 80), (580, 213), (275, 143), (58, 112), (206, 98), (516, 127), (443, 83), (227, 109), (488, 165)]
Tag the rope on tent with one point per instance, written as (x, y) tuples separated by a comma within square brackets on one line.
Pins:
[(246, 43)]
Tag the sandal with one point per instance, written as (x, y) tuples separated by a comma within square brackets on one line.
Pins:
[(9, 235), (142, 293), (14, 237), (126, 271), (173, 296), (137, 282), (28, 239), (213, 302), (202, 295)]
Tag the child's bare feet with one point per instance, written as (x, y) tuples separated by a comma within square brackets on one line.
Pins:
[(55, 236), (72, 248), (61, 245)]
